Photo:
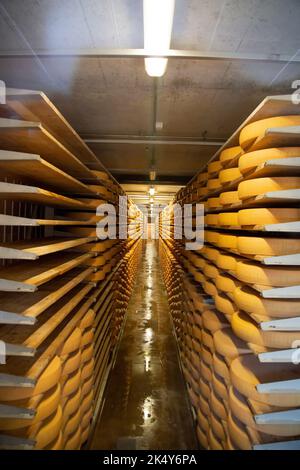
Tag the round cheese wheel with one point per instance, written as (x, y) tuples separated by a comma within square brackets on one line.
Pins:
[(211, 236), (211, 271), (220, 367), (227, 284), (250, 301), (228, 219), (217, 427), (46, 407), (218, 407), (228, 345), (202, 437), (228, 154), (267, 246), (206, 372), (214, 443), (276, 276), (71, 362), (57, 444), (209, 288), (210, 253), (213, 184), (257, 186), (47, 380), (201, 192), (257, 128), (202, 177), (220, 386), (72, 343), (88, 320), (207, 340), (86, 419), (229, 198), (211, 219), (87, 353), (70, 383), (204, 389), (225, 305), (213, 203), (250, 160), (229, 175), (246, 329), (72, 423), (213, 321), (240, 408), (263, 216), (70, 405), (214, 167), (238, 434), (84, 434), (202, 420), (87, 337), (226, 262), (193, 397), (204, 406), (73, 442), (227, 241), (87, 369), (87, 402), (247, 372), (206, 356)]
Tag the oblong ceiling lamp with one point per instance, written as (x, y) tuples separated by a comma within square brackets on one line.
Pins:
[(158, 22)]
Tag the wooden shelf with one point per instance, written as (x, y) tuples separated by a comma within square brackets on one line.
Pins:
[(291, 292), (21, 192), (11, 220), (31, 137), (24, 277), (34, 249), (281, 356), (32, 105), (38, 170), (25, 306)]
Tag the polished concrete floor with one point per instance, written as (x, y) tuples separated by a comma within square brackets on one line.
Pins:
[(146, 405)]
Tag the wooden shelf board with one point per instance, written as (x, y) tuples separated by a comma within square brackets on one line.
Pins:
[(21, 192), (32, 137), (34, 249), (281, 356), (11, 220)]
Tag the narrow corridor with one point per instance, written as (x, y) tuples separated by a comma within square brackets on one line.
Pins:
[(146, 403)]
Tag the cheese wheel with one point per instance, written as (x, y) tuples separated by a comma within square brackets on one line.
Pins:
[(213, 321), (57, 444), (214, 443), (217, 427), (206, 372), (202, 177), (276, 276), (47, 380), (211, 271), (258, 128), (87, 337), (202, 437), (218, 407), (250, 160), (246, 329), (72, 423), (238, 434), (227, 241), (84, 434), (229, 198), (88, 320), (87, 353), (214, 167), (201, 192), (228, 345), (229, 175), (228, 219), (87, 402), (258, 186), (73, 442), (247, 372), (207, 340), (210, 288), (227, 284), (220, 367), (213, 184), (209, 253), (211, 236), (267, 246), (240, 408), (87, 369), (204, 406), (70, 405), (72, 343), (206, 356), (211, 219), (204, 389), (220, 387), (225, 305), (213, 203), (86, 419), (263, 216), (250, 301), (202, 420), (193, 397), (230, 153), (226, 262), (71, 362), (46, 407), (70, 383)]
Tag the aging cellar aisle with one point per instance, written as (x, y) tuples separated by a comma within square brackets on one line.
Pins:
[(145, 403)]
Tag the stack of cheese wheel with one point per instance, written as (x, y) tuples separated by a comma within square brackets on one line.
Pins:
[(41, 417), (248, 272)]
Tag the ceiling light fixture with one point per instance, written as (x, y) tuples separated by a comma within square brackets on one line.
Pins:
[(152, 175), (152, 191), (158, 21)]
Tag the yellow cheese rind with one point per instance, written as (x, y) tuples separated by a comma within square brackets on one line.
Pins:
[(250, 160), (214, 167), (229, 175), (230, 153), (276, 276), (264, 216), (229, 198), (267, 246), (228, 219), (258, 186), (255, 129)]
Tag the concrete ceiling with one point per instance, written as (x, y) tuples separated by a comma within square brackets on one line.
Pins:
[(113, 98)]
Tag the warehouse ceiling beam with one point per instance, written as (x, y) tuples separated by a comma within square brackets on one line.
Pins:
[(135, 53), (153, 141)]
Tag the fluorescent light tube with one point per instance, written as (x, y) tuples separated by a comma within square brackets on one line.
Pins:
[(158, 21)]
